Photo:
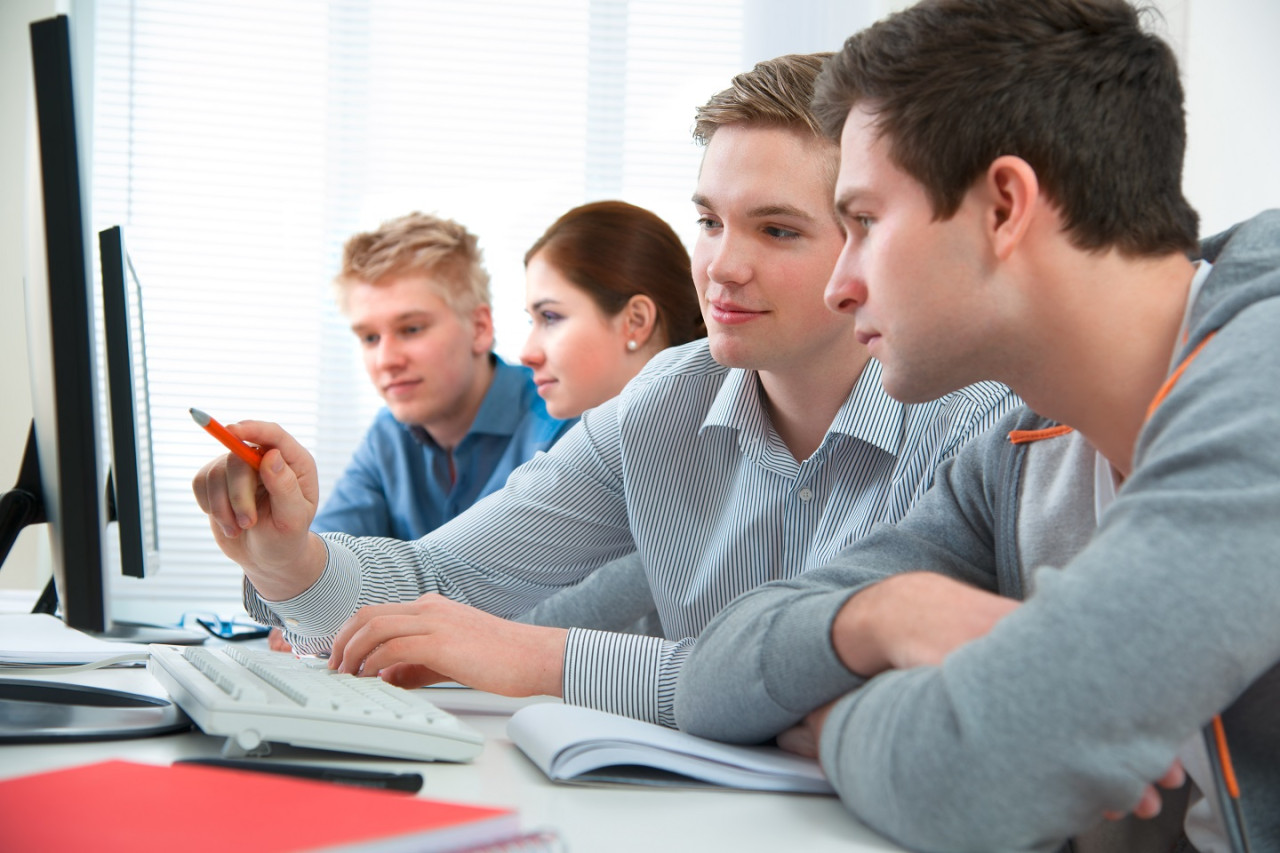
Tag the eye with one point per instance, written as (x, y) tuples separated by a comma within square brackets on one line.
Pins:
[(368, 340), (863, 221), (410, 331), (549, 318), (706, 223), (781, 233)]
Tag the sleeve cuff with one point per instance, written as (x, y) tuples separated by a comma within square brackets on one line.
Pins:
[(799, 665), (317, 613), (618, 673)]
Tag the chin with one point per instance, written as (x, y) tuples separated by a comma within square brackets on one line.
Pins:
[(905, 391), (730, 352), (408, 415)]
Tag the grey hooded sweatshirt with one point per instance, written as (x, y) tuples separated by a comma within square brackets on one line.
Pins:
[(1134, 632)]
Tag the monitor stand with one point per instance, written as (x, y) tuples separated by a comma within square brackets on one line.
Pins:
[(48, 712), (123, 631), (141, 632)]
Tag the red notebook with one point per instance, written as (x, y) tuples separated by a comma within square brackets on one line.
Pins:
[(122, 806)]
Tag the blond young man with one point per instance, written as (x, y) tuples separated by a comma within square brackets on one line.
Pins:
[(458, 420), (755, 454)]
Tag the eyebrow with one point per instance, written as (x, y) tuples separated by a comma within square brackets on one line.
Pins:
[(847, 198), (399, 318), (541, 303), (761, 211)]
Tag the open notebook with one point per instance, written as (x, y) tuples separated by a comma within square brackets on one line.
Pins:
[(573, 744)]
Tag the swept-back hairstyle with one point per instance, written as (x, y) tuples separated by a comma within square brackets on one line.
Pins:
[(1075, 88), (775, 93), (433, 246), (613, 251)]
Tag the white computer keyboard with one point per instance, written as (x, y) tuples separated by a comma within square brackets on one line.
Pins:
[(255, 697)]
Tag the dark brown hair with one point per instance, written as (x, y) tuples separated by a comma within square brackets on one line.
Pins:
[(613, 251), (1075, 88)]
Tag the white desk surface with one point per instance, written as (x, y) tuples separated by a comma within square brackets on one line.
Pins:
[(589, 819)]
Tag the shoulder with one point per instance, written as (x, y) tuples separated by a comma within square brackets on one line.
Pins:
[(675, 369), (675, 389), (691, 359), (1245, 275)]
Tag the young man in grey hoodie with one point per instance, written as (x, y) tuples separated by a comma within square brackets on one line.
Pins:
[(1040, 642)]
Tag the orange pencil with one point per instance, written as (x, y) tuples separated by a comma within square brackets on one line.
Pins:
[(1228, 785), (247, 452)]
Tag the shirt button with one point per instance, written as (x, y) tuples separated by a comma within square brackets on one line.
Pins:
[(806, 493)]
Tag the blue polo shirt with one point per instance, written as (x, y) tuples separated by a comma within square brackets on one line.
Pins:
[(398, 482)]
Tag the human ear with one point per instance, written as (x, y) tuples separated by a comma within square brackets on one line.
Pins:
[(1013, 193), (639, 320), (482, 330)]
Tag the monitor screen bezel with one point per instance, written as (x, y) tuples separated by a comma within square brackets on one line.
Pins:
[(131, 482), (62, 341)]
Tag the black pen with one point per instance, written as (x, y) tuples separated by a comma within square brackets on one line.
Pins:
[(409, 782)]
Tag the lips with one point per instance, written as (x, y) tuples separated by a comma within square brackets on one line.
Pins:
[(400, 387), (729, 313)]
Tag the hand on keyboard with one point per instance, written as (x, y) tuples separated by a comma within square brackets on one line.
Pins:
[(436, 639)]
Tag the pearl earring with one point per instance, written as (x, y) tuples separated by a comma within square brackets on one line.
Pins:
[(632, 346)]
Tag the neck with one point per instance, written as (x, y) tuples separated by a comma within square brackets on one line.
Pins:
[(802, 405), (1106, 334), (448, 431)]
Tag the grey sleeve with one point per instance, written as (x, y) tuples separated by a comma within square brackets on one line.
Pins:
[(1083, 695), (616, 597), (766, 660)]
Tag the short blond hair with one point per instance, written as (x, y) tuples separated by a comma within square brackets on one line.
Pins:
[(775, 93), (419, 243)]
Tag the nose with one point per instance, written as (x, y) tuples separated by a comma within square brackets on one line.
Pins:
[(846, 290), (727, 258), (531, 354), (388, 354)]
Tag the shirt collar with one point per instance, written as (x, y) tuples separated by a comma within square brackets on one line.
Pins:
[(868, 413), (501, 410)]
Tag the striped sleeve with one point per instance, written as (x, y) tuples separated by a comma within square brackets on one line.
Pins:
[(624, 674)]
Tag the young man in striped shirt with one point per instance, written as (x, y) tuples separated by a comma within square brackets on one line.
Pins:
[(754, 455)]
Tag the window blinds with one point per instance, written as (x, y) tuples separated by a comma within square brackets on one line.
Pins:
[(239, 143)]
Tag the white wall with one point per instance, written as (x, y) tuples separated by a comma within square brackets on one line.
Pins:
[(1229, 71), (19, 570)]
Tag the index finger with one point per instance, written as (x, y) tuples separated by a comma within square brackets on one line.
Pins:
[(357, 621)]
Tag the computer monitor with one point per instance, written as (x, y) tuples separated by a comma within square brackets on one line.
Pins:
[(131, 488), (63, 480), (61, 336)]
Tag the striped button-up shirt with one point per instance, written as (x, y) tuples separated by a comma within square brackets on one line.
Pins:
[(685, 468)]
